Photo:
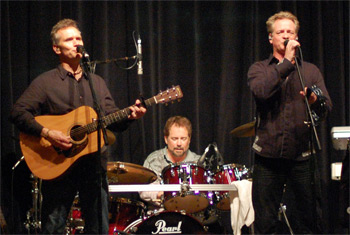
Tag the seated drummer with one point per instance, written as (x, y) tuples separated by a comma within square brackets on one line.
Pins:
[(177, 136)]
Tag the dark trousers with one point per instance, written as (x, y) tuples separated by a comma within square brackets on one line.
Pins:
[(59, 194), (270, 177)]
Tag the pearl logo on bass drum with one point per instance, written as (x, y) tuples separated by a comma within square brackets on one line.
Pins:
[(166, 222), (163, 229)]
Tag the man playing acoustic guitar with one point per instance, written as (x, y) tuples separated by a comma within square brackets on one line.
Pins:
[(58, 92)]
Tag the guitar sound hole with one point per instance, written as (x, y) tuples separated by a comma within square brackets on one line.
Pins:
[(77, 133)]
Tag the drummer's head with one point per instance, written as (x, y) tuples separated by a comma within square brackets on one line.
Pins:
[(180, 122), (177, 135)]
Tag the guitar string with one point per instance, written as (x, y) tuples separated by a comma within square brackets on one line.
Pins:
[(114, 117), (93, 125)]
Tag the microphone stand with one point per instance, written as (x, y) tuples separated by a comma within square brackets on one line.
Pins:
[(314, 131), (93, 64), (313, 126), (107, 61), (84, 64)]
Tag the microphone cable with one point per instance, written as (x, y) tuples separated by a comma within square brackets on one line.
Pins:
[(128, 58)]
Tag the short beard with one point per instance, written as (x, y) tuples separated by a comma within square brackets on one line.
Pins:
[(176, 155)]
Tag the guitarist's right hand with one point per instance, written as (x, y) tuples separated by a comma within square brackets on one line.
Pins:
[(57, 138)]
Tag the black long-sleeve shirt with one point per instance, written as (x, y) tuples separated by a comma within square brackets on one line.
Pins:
[(57, 92), (281, 110)]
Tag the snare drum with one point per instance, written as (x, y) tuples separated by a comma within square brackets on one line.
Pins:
[(122, 212), (226, 175), (166, 223), (189, 201)]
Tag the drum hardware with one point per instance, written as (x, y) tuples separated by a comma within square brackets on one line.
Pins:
[(211, 158), (18, 162), (185, 187), (208, 216), (172, 172), (196, 171), (33, 220), (282, 210), (75, 222)]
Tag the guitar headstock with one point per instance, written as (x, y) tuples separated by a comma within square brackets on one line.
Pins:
[(169, 95)]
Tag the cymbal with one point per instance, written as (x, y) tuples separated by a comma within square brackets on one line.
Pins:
[(129, 173), (245, 130)]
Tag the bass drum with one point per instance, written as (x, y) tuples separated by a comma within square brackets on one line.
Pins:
[(167, 222)]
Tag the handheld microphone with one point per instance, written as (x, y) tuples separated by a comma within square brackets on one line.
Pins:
[(297, 52), (139, 56), (286, 42), (81, 49)]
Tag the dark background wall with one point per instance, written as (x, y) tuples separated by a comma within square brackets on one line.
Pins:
[(205, 47)]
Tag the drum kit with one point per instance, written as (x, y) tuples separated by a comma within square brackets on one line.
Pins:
[(186, 211)]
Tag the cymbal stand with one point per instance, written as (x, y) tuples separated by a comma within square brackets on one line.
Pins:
[(282, 210), (33, 221)]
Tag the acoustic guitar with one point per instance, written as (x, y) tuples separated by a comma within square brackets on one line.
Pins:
[(47, 162)]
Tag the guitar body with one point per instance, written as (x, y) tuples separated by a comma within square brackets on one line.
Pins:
[(43, 159)]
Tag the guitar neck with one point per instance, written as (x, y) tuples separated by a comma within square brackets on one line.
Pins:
[(115, 117), (164, 97)]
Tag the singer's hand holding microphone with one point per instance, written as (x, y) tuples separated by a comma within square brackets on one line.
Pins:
[(291, 46)]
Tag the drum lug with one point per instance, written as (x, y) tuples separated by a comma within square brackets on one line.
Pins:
[(237, 174), (184, 188), (133, 229), (206, 228), (182, 175)]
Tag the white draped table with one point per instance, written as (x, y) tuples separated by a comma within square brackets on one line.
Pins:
[(114, 188)]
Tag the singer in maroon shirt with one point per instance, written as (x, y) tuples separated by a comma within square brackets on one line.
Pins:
[(283, 145), (58, 92)]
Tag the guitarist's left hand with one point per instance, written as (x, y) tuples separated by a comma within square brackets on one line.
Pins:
[(137, 110)]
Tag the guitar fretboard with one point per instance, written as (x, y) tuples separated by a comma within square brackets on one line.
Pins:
[(108, 120)]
